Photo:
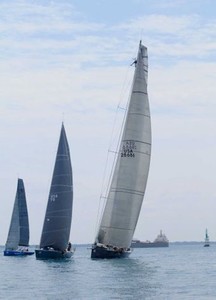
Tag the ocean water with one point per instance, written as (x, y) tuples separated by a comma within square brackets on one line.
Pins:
[(181, 271)]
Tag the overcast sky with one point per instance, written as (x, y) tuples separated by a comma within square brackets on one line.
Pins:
[(70, 61)]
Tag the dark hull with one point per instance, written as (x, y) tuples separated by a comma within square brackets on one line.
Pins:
[(17, 253), (52, 254), (102, 252), (149, 245)]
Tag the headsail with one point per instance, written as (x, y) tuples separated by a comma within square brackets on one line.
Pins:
[(19, 227), (129, 180), (57, 222)]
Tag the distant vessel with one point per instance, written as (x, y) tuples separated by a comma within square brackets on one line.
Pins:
[(57, 223), (160, 241), (127, 188), (206, 244), (18, 235)]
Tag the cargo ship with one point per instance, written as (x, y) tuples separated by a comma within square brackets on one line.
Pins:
[(160, 241)]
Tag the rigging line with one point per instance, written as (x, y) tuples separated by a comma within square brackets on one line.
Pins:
[(119, 139), (116, 151), (107, 157), (120, 107), (117, 110), (117, 147), (123, 108), (112, 151)]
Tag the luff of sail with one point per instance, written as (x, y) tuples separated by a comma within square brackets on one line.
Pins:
[(57, 222), (18, 234), (129, 179)]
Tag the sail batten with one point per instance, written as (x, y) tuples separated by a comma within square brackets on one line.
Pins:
[(139, 92), (126, 229), (128, 184)]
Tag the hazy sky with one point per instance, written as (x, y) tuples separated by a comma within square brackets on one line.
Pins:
[(70, 60)]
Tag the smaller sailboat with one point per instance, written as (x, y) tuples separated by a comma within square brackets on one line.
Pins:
[(18, 236), (206, 244), (54, 243)]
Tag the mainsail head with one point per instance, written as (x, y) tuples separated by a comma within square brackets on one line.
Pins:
[(130, 175), (57, 222)]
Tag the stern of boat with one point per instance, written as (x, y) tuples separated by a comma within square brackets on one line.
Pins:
[(104, 252)]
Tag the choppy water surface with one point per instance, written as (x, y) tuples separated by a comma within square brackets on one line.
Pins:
[(181, 271)]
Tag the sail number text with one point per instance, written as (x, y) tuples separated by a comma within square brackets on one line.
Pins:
[(128, 148), (53, 197)]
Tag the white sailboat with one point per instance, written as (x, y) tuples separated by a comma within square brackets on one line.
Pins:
[(127, 188)]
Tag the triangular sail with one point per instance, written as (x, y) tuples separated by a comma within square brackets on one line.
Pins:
[(129, 180), (23, 216), (206, 236), (57, 222), (18, 234)]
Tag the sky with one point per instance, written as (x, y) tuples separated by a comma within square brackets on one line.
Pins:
[(69, 61)]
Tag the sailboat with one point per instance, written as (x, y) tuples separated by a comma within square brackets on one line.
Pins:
[(126, 191), (18, 236), (54, 243), (206, 244)]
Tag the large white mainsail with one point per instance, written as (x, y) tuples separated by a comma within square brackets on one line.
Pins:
[(130, 175)]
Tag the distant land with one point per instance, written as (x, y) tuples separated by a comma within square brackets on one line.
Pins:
[(191, 242)]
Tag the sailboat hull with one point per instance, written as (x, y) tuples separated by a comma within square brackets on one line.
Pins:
[(17, 253), (107, 253), (52, 254)]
